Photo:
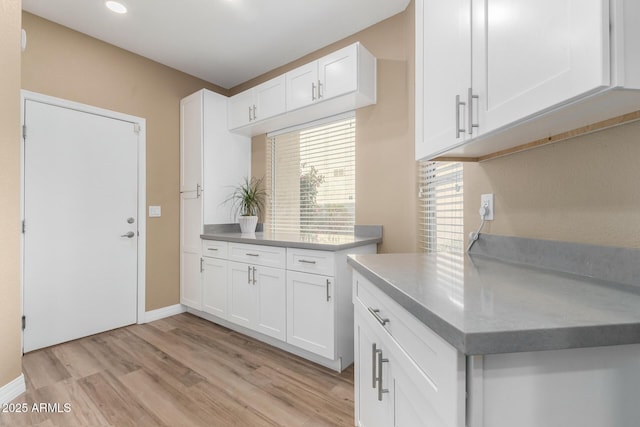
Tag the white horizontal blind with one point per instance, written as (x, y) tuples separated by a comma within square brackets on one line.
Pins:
[(311, 179), (440, 207)]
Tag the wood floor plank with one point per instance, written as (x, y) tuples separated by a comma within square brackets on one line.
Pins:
[(180, 371), (117, 406), (77, 360), (43, 368)]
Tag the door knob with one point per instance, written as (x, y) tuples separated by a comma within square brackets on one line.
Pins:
[(130, 234)]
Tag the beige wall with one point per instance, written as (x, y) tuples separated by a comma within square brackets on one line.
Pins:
[(10, 349), (385, 169), (66, 64), (582, 190)]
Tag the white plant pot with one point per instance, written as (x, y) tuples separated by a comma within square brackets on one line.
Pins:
[(248, 224)]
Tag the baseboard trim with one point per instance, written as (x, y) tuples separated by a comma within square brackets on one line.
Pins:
[(10, 391), (163, 312)]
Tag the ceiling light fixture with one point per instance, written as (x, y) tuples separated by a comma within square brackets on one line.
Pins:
[(116, 7)]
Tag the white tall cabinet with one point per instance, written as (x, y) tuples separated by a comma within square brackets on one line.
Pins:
[(211, 161)]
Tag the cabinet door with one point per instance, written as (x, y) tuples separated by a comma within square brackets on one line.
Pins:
[(240, 111), (270, 288), (191, 142), (443, 74), (270, 98), (227, 160), (529, 56), (338, 73), (190, 254), (310, 312), (214, 283), (302, 86), (411, 406), (370, 412), (241, 296)]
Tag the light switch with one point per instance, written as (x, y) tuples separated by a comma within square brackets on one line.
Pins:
[(155, 211)]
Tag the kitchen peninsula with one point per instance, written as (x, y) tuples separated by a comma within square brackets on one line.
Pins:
[(480, 340)]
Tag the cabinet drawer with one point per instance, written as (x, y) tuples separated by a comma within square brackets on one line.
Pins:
[(269, 256), (214, 249), (437, 360), (310, 261)]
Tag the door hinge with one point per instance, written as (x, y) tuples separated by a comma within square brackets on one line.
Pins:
[(24, 322), (136, 128), (23, 226), (24, 131)]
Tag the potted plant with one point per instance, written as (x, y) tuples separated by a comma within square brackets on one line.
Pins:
[(248, 203)]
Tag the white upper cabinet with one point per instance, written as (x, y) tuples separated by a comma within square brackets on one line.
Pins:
[(302, 86), (443, 50), (495, 74), (531, 55), (331, 76), (338, 82), (258, 103)]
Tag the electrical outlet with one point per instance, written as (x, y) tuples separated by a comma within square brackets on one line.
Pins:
[(486, 201)]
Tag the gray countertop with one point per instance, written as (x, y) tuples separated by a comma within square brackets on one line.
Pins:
[(325, 242), (482, 305)]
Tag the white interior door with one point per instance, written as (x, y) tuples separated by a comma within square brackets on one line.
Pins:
[(81, 225)]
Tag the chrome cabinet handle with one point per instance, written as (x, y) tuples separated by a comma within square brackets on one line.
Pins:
[(328, 284), (254, 111), (319, 89), (201, 265), (375, 313), (212, 249), (198, 191), (459, 103), (381, 389), (248, 274), (254, 275), (252, 254), (470, 98), (305, 261), (374, 378), (313, 91), (129, 234), (249, 112)]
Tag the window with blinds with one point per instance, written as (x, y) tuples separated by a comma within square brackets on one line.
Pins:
[(441, 207), (310, 178)]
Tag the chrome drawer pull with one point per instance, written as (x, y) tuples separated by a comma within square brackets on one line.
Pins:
[(374, 312), (212, 249), (381, 390), (304, 261), (252, 254), (374, 352)]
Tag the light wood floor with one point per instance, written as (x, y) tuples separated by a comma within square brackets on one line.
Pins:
[(180, 371)]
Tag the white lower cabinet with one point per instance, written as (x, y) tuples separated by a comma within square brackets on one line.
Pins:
[(214, 286), (296, 299), (310, 312), (407, 375), (391, 389), (256, 298), (371, 410)]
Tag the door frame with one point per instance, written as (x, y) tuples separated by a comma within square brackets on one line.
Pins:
[(25, 96)]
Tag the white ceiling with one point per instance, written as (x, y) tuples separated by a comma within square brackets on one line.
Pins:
[(225, 42)]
